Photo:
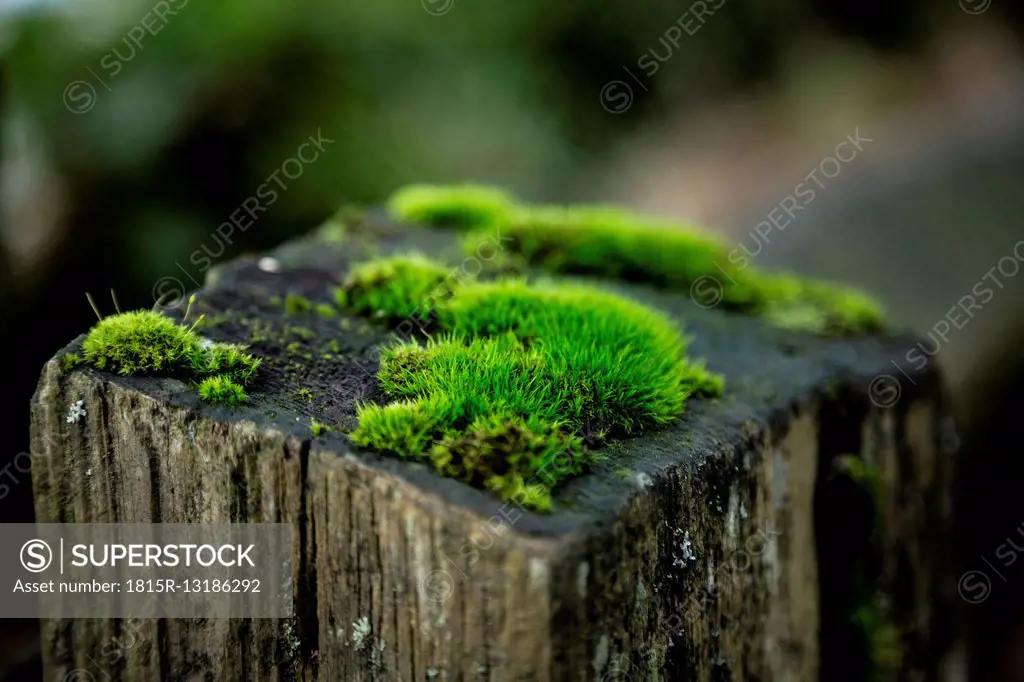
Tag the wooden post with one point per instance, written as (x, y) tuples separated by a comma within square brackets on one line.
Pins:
[(727, 547)]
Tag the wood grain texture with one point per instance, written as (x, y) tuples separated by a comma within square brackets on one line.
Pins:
[(702, 552)]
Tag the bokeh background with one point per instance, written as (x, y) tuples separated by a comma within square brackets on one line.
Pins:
[(132, 129)]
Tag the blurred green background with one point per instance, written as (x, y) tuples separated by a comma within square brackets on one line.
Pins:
[(132, 130)]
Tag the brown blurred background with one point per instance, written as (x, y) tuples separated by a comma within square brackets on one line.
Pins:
[(132, 130)]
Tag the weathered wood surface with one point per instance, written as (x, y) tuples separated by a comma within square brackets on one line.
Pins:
[(713, 550)]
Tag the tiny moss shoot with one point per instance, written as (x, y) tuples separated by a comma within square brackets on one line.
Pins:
[(609, 241), (501, 398), (325, 310), (149, 343), (318, 429), (295, 304), (222, 390)]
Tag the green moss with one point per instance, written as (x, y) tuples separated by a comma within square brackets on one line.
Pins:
[(869, 609), (318, 429), (624, 474), (514, 457), (304, 333), (295, 304), (228, 359), (521, 370), (461, 206), (609, 241), (221, 390), (333, 232), (347, 219), (883, 639), (305, 394), (148, 342), (325, 310), (70, 360), (396, 287), (869, 479), (140, 342), (804, 304)]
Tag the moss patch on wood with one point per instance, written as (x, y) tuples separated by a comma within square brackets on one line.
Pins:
[(146, 342), (610, 241), (522, 375), (222, 390)]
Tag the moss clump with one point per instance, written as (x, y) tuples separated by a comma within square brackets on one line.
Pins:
[(325, 310), (521, 371), (883, 640), (141, 342), (461, 206), (395, 287), (609, 241), (804, 304), (318, 429), (222, 390), (229, 359), (295, 304), (514, 457), (148, 342), (70, 360)]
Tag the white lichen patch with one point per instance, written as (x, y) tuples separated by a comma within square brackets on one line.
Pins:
[(76, 412), (538, 571), (582, 572), (361, 631), (688, 552), (377, 655), (294, 642), (732, 519), (268, 264), (601, 656)]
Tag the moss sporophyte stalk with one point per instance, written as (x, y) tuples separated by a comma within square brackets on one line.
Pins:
[(610, 241), (522, 376), (148, 342)]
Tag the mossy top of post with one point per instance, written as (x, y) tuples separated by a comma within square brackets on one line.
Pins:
[(524, 378), (610, 241), (518, 380)]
